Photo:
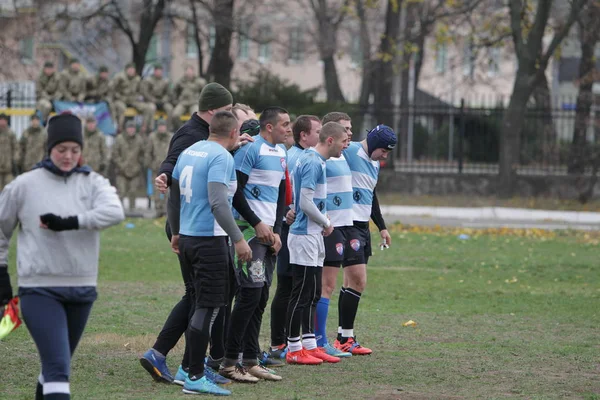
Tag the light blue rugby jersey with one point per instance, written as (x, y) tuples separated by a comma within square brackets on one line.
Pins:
[(339, 192), (309, 173), (203, 162), (265, 164), (364, 179)]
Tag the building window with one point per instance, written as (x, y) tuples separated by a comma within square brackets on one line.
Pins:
[(264, 49), (243, 44), (296, 45), (468, 59), (494, 62), (152, 53), (356, 54), (26, 48), (191, 48), (441, 58), (212, 34)]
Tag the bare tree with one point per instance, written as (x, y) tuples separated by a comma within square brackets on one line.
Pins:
[(221, 64), (329, 16), (144, 22), (532, 64), (196, 24)]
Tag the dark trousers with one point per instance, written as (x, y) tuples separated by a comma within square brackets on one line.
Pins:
[(306, 292), (56, 319), (178, 320), (246, 318), (279, 308)]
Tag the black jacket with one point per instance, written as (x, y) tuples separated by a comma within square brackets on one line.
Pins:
[(194, 130)]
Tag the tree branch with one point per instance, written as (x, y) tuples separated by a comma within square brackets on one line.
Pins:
[(515, 7), (535, 36)]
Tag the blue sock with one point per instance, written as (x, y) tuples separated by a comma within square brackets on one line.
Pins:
[(321, 321)]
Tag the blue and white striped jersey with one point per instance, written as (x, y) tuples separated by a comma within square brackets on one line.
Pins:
[(309, 174), (339, 192), (199, 164), (265, 164), (365, 173)]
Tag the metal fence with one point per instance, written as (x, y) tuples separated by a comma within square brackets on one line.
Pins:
[(466, 138)]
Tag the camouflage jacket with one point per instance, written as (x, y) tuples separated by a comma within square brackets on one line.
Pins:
[(128, 155), (9, 156), (187, 91), (158, 147), (72, 85), (155, 90), (98, 88), (47, 87), (33, 147), (125, 89), (95, 152)]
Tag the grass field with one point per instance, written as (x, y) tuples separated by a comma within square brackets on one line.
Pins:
[(503, 314)]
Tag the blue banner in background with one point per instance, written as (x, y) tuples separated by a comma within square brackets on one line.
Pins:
[(84, 110)]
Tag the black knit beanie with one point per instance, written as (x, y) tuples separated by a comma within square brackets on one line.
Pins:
[(65, 127)]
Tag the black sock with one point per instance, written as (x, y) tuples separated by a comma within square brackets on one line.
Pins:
[(342, 291), (39, 392), (349, 309), (199, 334)]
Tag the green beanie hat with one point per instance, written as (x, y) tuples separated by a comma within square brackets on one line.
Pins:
[(214, 96)]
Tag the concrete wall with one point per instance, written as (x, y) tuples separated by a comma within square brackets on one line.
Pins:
[(563, 187)]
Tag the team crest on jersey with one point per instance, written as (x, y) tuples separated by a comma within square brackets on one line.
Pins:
[(257, 271), (357, 196), (339, 248), (355, 244), (255, 192), (283, 163), (321, 206), (337, 201)]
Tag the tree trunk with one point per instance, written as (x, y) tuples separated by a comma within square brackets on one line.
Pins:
[(148, 21), (510, 138), (197, 37), (589, 36), (367, 73), (543, 104), (382, 86), (221, 64), (327, 50)]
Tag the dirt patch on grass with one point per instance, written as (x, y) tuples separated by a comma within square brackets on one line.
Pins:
[(138, 343)]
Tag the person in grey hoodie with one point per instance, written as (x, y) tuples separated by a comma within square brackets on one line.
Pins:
[(61, 207)]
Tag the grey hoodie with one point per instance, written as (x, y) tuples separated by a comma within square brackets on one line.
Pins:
[(47, 258)]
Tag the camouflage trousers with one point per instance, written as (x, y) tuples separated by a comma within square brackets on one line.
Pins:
[(129, 187), (147, 111), (179, 111)]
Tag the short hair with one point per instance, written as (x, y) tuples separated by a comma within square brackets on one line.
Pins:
[(336, 116), (270, 115), (303, 124), (222, 123), (241, 107), (331, 129)]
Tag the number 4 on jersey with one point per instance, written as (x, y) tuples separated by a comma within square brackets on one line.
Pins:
[(185, 183)]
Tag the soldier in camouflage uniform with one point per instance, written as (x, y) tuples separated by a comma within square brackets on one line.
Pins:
[(98, 89), (9, 156), (46, 89), (95, 152), (72, 82), (156, 90), (125, 90), (158, 147), (33, 144), (128, 156), (186, 94)]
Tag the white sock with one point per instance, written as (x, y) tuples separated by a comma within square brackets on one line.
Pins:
[(340, 330), (348, 333), (309, 342), (294, 344)]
